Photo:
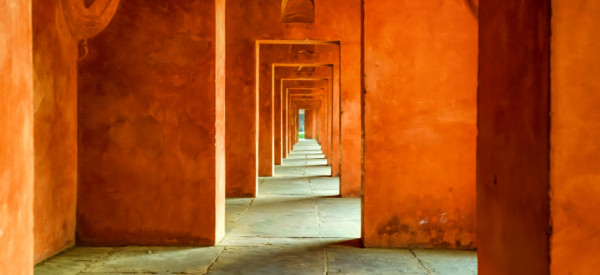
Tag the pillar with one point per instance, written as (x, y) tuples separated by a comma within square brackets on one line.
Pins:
[(151, 116), (16, 138), (513, 141), (58, 27), (538, 129), (420, 69)]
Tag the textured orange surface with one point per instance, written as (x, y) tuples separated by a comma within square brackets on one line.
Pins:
[(148, 165), (310, 124), (16, 138), (513, 139), (248, 21), (575, 138), (55, 121), (420, 124)]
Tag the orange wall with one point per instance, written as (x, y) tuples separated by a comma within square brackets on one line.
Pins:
[(248, 21), (148, 166), (420, 124), (513, 141), (575, 137), (55, 121), (309, 124), (16, 138)]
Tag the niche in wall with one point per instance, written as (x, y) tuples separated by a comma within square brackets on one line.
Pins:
[(298, 11)]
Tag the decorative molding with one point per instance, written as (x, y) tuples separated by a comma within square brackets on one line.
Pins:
[(87, 18)]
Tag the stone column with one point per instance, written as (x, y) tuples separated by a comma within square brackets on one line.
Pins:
[(16, 138)]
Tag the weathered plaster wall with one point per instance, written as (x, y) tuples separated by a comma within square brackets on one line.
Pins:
[(55, 134), (513, 140), (420, 124), (147, 117), (309, 125), (16, 138), (575, 138), (248, 21)]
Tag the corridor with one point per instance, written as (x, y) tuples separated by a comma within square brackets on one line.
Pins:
[(297, 225)]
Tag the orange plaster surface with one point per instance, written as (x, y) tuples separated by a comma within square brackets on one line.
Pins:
[(309, 124), (513, 222), (248, 21), (420, 124), (148, 111), (575, 137), (16, 138), (55, 120)]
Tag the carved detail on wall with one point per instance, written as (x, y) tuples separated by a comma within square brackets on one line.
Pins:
[(305, 71), (298, 11), (87, 18), (301, 49)]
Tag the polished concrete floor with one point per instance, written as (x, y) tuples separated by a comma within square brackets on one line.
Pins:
[(297, 225)]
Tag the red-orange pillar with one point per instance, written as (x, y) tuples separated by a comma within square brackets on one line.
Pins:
[(151, 139), (513, 141), (539, 126), (16, 138), (420, 74), (308, 124), (57, 28)]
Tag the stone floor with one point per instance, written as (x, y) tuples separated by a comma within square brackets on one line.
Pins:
[(297, 225)]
